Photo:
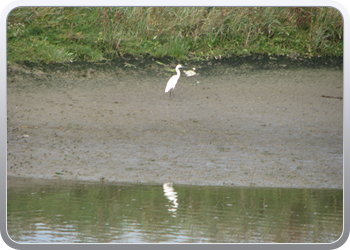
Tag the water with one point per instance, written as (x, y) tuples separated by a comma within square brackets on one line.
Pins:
[(40, 211)]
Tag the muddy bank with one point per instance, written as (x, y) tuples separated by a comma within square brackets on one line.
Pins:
[(243, 125)]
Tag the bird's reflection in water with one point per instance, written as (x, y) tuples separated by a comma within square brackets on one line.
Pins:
[(171, 195)]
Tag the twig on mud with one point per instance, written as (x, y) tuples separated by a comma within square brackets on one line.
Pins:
[(335, 97)]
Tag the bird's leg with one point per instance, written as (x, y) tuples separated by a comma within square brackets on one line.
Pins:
[(170, 93)]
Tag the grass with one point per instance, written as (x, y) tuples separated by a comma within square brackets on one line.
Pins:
[(66, 34)]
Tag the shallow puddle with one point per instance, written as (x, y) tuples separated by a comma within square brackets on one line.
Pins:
[(52, 211)]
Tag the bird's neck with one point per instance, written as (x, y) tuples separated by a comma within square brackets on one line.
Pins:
[(177, 71)]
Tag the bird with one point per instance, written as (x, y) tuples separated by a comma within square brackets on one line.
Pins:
[(173, 80), (190, 73)]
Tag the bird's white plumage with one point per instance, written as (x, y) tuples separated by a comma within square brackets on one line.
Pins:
[(172, 83), (173, 80), (190, 73)]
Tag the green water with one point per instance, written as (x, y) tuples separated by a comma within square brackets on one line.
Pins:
[(41, 211)]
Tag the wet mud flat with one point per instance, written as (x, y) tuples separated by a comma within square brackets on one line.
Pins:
[(238, 126)]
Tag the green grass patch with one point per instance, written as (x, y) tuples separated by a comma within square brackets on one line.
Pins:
[(65, 34)]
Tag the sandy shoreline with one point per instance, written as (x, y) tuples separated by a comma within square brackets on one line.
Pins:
[(270, 128)]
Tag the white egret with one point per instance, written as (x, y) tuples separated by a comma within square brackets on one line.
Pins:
[(190, 73), (173, 80)]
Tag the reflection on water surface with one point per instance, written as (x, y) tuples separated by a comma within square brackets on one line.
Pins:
[(171, 195), (61, 211)]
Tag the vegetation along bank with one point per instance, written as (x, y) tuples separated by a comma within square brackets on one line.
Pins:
[(93, 34)]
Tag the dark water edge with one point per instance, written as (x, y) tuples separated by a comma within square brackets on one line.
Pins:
[(149, 65)]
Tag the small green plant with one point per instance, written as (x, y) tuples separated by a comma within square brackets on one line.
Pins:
[(224, 149)]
